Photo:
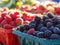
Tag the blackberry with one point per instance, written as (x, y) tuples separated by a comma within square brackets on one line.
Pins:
[(24, 27), (50, 15)]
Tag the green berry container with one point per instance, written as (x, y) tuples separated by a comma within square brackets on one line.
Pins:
[(26, 39)]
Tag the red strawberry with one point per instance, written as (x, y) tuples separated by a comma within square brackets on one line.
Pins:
[(8, 18), (8, 26), (19, 21), (4, 22), (26, 22), (12, 23), (31, 31)]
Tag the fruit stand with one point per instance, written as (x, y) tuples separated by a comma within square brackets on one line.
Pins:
[(30, 22)]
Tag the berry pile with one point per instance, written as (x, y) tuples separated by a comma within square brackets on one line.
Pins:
[(46, 27), (12, 18), (41, 8)]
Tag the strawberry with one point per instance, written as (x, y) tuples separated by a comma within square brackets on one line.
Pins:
[(8, 26), (31, 31), (8, 18), (12, 23), (19, 21)]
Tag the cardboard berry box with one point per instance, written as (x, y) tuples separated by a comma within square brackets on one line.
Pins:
[(27, 39)]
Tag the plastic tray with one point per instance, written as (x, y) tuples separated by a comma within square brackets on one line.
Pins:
[(26, 39)]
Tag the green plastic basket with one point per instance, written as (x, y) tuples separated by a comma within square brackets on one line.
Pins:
[(26, 39)]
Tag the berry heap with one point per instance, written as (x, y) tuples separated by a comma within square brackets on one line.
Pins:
[(11, 18), (41, 8), (46, 27)]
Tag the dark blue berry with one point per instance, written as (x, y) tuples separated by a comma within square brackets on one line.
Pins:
[(37, 19), (48, 20), (25, 31), (56, 30), (40, 34), (47, 33), (50, 15), (45, 17), (51, 28), (43, 29), (32, 26), (24, 27), (56, 20), (35, 33), (58, 26), (55, 36), (40, 26), (49, 24)]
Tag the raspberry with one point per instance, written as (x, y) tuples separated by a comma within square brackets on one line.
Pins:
[(31, 31), (19, 21), (8, 26), (8, 18)]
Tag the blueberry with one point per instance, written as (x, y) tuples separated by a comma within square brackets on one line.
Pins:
[(49, 24), (51, 28), (58, 25), (56, 20), (47, 33), (40, 34), (41, 22), (32, 22), (56, 30), (43, 29), (40, 26), (55, 36), (32, 25), (45, 17), (50, 15), (48, 20), (35, 33)]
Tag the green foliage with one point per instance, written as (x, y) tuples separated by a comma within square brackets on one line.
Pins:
[(12, 3)]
